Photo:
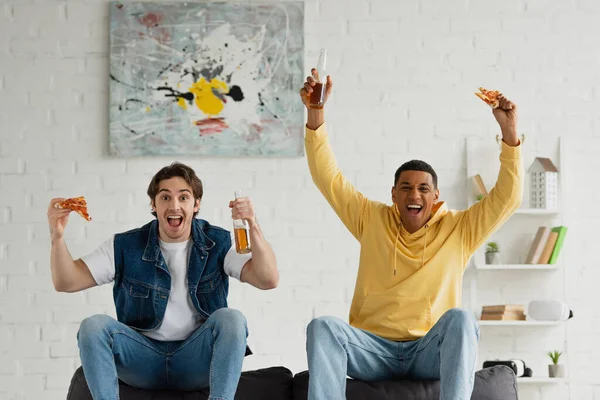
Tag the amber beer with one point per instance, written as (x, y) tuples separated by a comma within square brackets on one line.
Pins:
[(316, 100), (241, 231), (242, 240), (317, 97)]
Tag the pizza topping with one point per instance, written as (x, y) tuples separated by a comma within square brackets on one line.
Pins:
[(77, 204), (489, 96)]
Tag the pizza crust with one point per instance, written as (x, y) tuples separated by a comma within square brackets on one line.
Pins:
[(490, 97)]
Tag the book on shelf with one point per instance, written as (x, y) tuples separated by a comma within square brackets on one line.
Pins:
[(503, 308), (561, 231), (546, 245), (503, 312), (507, 316), (537, 247), (548, 248), (480, 188)]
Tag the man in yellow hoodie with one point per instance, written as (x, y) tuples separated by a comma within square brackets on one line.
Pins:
[(404, 317)]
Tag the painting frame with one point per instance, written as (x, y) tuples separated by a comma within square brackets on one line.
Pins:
[(206, 79)]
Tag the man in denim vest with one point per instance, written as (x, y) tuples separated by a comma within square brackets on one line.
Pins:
[(174, 330)]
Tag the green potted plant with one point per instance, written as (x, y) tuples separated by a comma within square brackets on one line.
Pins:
[(555, 370), (492, 253)]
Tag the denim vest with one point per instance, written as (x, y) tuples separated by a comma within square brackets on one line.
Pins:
[(143, 283)]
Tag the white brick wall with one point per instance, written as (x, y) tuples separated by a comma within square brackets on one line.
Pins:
[(390, 61)]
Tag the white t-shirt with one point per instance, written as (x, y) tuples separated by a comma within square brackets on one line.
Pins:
[(181, 318)]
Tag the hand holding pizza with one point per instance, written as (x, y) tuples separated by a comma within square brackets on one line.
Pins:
[(505, 113), (57, 219), (58, 214)]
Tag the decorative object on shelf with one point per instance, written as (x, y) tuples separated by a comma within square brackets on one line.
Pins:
[(549, 310), (518, 366), (503, 312), (543, 184), (492, 253), (479, 189), (555, 370)]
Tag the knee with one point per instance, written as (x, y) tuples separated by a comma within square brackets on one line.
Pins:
[(321, 327), (230, 321), (94, 327), (462, 321)]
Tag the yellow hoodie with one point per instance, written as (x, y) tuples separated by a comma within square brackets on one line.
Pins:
[(430, 262)]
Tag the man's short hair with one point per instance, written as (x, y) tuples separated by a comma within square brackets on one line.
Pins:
[(176, 169), (416, 165)]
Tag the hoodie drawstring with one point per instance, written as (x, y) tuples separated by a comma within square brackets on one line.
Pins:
[(425, 245), (396, 246)]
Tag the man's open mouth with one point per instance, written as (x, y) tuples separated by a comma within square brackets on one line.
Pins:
[(175, 221), (414, 209)]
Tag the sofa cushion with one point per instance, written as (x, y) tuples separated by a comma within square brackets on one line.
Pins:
[(265, 384), (495, 383)]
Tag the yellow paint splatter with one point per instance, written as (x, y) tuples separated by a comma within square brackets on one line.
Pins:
[(181, 103), (206, 100), (147, 109)]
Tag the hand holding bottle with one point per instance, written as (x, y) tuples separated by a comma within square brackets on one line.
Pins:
[(314, 94), (242, 208), (242, 213), (317, 87)]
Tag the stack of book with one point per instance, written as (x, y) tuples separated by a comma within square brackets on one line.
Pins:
[(503, 312), (479, 187), (546, 245)]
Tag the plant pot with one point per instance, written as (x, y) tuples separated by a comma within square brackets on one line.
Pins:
[(556, 371), (492, 258)]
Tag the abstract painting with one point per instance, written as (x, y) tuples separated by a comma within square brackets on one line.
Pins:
[(210, 79)]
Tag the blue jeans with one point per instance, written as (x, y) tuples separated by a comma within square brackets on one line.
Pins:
[(211, 357), (448, 352)]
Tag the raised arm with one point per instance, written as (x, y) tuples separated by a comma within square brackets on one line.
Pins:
[(484, 217), (260, 271), (348, 203), (68, 275)]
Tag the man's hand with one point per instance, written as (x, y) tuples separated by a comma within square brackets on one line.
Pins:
[(241, 208), (315, 117), (309, 86), (57, 219), (506, 115)]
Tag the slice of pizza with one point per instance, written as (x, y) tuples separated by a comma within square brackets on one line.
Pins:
[(77, 204), (489, 96)]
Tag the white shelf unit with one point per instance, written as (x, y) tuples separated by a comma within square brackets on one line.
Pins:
[(479, 153), (542, 381), (520, 323), (536, 211), (523, 267)]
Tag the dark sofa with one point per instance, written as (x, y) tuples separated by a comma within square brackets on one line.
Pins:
[(278, 383)]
